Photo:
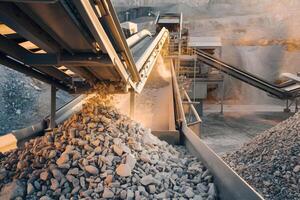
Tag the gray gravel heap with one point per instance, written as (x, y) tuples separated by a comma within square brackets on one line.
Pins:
[(99, 153), (271, 161)]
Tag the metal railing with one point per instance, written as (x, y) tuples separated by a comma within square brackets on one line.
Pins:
[(184, 108), (229, 184)]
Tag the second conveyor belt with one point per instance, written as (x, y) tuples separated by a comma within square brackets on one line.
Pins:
[(251, 79)]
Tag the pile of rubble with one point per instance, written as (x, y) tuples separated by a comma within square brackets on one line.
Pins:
[(271, 162), (99, 153)]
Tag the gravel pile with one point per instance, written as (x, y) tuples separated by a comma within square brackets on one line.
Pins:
[(271, 161), (99, 153), (24, 100)]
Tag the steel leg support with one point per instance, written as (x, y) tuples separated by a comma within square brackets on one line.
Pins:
[(53, 107), (199, 108), (132, 104), (296, 105), (222, 97), (287, 109)]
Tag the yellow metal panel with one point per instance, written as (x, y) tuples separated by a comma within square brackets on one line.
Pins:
[(8, 142), (5, 30)]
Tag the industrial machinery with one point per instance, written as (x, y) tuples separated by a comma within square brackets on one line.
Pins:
[(77, 44)]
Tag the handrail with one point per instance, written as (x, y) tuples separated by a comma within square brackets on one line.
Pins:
[(180, 117), (179, 103), (192, 107), (229, 184)]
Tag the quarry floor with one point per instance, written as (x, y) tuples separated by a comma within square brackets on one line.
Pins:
[(239, 124)]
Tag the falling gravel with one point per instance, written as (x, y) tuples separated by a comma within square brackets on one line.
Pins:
[(271, 161), (99, 153)]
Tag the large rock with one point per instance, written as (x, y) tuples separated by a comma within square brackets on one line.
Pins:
[(147, 180), (30, 189), (107, 194), (118, 150), (130, 161), (91, 169), (63, 159), (44, 175), (12, 190), (124, 170)]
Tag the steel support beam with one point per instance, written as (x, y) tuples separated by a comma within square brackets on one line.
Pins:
[(23, 55), (12, 49), (82, 59), (53, 107), (132, 103), (84, 73), (10, 63), (11, 15), (115, 30), (91, 19)]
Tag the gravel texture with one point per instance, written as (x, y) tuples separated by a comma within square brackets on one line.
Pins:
[(99, 153), (271, 161), (24, 100)]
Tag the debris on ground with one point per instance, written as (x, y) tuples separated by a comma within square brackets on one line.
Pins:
[(99, 153), (271, 161)]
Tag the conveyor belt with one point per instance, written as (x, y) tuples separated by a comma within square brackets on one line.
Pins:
[(139, 49), (74, 44), (251, 79)]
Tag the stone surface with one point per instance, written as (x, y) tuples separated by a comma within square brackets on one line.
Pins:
[(12, 190), (91, 169), (130, 161), (296, 169), (189, 193), (146, 180), (107, 194), (118, 150), (44, 176), (30, 188), (152, 189), (54, 184), (123, 170), (62, 159), (99, 153), (269, 162), (123, 194), (130, 194), (145, 157)]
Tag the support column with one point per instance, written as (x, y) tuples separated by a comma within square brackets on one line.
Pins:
[(222, 96), (132, 104), (199, 108), (53, 107), (287, 108), (194, 88), (296, 105)]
